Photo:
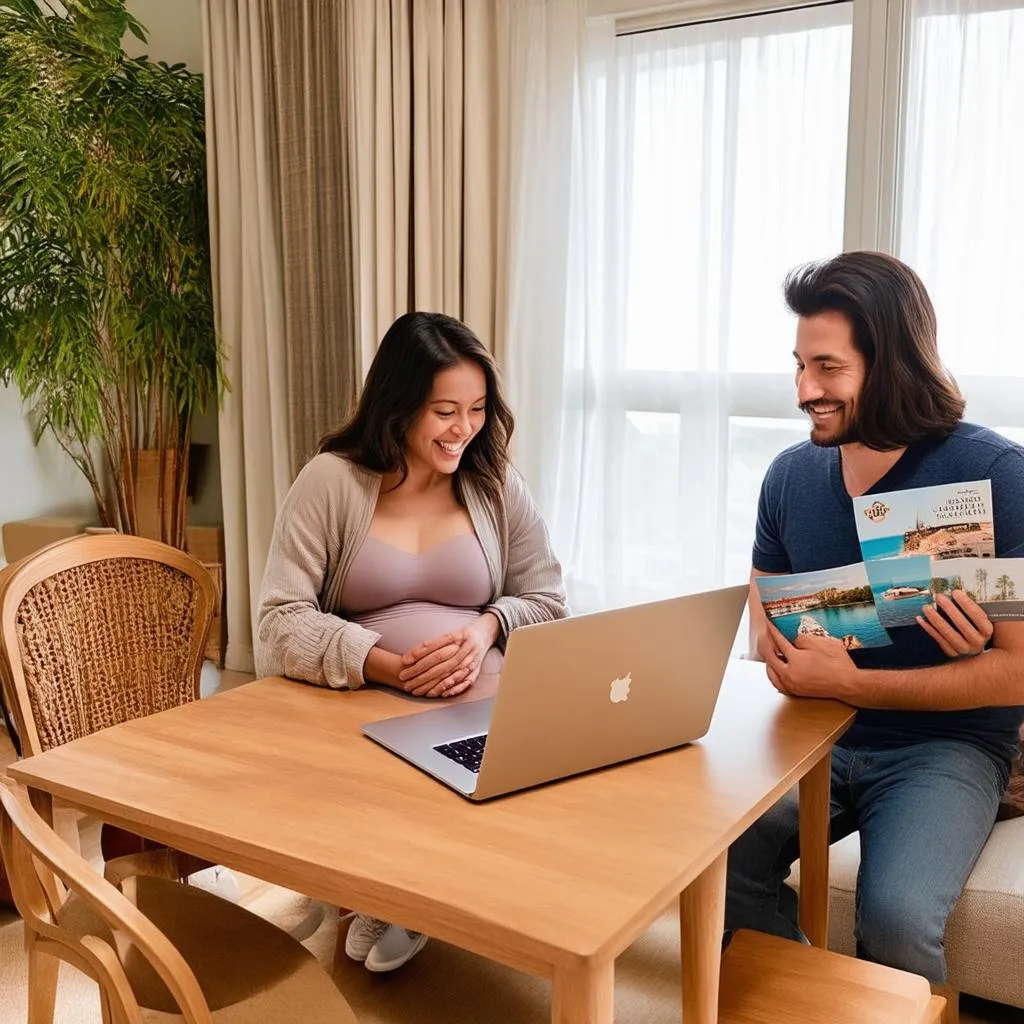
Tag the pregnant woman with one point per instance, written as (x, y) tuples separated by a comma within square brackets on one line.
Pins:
[(408, 548)]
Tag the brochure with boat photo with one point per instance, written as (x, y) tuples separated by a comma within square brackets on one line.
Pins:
[(947, 521), (837, 603), (901, 587), (997, 584)]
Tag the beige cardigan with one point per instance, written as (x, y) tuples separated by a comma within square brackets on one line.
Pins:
[(322, 524)]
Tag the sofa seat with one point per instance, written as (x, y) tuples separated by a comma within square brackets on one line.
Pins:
[(985, 933)]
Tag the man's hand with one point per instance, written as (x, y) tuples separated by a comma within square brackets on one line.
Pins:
[(449, 665), (959, 633), (812, 666)]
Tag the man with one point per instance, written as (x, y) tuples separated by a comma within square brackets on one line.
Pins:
[(921, 770)]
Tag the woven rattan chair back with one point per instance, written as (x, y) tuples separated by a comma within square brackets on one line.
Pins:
[(96, 630)]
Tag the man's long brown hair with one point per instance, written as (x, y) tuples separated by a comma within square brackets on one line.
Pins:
[(908, 395)]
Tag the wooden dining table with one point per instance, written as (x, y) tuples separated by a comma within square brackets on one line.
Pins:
[(275, 779)]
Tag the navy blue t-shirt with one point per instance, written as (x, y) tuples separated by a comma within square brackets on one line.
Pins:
[(805, 522)]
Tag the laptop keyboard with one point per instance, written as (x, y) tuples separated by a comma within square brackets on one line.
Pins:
[(468, 752)]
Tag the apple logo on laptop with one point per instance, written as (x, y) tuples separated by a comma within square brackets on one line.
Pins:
[(620, 689)]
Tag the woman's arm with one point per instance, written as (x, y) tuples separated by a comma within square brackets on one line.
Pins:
[(294, 636), (533, 590)]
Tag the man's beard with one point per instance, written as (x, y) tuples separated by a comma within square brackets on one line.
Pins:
[(846, 434)]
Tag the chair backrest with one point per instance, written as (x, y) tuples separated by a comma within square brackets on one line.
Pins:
[(38, 862), (97, 630)]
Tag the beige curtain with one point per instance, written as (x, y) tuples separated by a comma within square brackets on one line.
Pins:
[(308, 86), (256, 457), (357, 170), (426, 110)]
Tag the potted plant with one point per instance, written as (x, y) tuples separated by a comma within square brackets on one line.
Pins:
[(106, 306)]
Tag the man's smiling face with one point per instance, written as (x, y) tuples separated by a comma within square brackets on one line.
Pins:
[(830, 374)]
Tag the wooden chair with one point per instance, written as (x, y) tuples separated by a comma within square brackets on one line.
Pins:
[(765, 978), (96, 630), (159, 951)]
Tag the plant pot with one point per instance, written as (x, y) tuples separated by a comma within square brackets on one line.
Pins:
[(147, 493)]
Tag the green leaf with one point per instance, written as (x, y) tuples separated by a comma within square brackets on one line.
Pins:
[(105, 286)]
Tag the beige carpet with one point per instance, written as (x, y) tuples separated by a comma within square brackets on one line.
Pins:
[(443, 985)]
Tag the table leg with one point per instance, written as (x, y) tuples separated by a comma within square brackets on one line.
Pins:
[(702, 921), (43, 804), (52, 886), (585, 996), (815, 788)]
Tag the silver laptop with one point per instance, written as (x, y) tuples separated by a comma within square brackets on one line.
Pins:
[(580, 693)]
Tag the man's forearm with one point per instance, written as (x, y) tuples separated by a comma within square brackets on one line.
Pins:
[(758, 620), (992, 679), (754, 642)]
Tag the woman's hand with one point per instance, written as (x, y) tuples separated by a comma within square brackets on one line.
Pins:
[(959, 631), (383, 667), (449, 665)]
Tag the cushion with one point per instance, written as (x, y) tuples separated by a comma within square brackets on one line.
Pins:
[(984, 937)]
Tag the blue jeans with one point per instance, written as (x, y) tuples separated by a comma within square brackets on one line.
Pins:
[(923, 813)]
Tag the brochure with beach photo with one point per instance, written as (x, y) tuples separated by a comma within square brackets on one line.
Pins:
[(948, 521), (997, 584), (833, 602), (901, 587)]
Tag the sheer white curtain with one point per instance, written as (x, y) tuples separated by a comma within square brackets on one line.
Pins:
[(701, 163), (547, 60), (961, 221)]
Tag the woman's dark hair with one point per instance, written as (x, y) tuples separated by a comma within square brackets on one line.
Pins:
[(908, 395), (415, 348)]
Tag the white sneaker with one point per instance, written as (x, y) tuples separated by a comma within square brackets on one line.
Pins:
[(394, 948), (363, 934), (219, 880)]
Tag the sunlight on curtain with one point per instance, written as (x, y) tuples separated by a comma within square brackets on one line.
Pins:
[(710, 160), (256, 451), (962, 209), (425, 115)]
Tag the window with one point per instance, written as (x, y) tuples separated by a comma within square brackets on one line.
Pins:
[(719, 157), (961, 165), (705, 161)]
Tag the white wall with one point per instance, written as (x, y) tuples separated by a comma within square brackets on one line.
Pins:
[(41, 480), (174, 29), (35, 480)]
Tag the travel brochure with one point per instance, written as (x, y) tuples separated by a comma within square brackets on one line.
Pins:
[(833, 602), (951, 521), (997, 584), (900, 587), (916, 544)]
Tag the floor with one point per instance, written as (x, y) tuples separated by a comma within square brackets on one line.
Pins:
[(288, 909)]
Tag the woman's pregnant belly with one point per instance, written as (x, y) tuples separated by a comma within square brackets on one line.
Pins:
[(407, 625)]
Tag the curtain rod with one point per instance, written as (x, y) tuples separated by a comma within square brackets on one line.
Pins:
[(679, 19)]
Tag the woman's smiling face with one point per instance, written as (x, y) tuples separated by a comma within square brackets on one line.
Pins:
[(453, 415)]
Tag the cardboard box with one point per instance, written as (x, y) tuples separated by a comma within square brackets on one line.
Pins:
[(25, 536), (206, 544), (147, 491)]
